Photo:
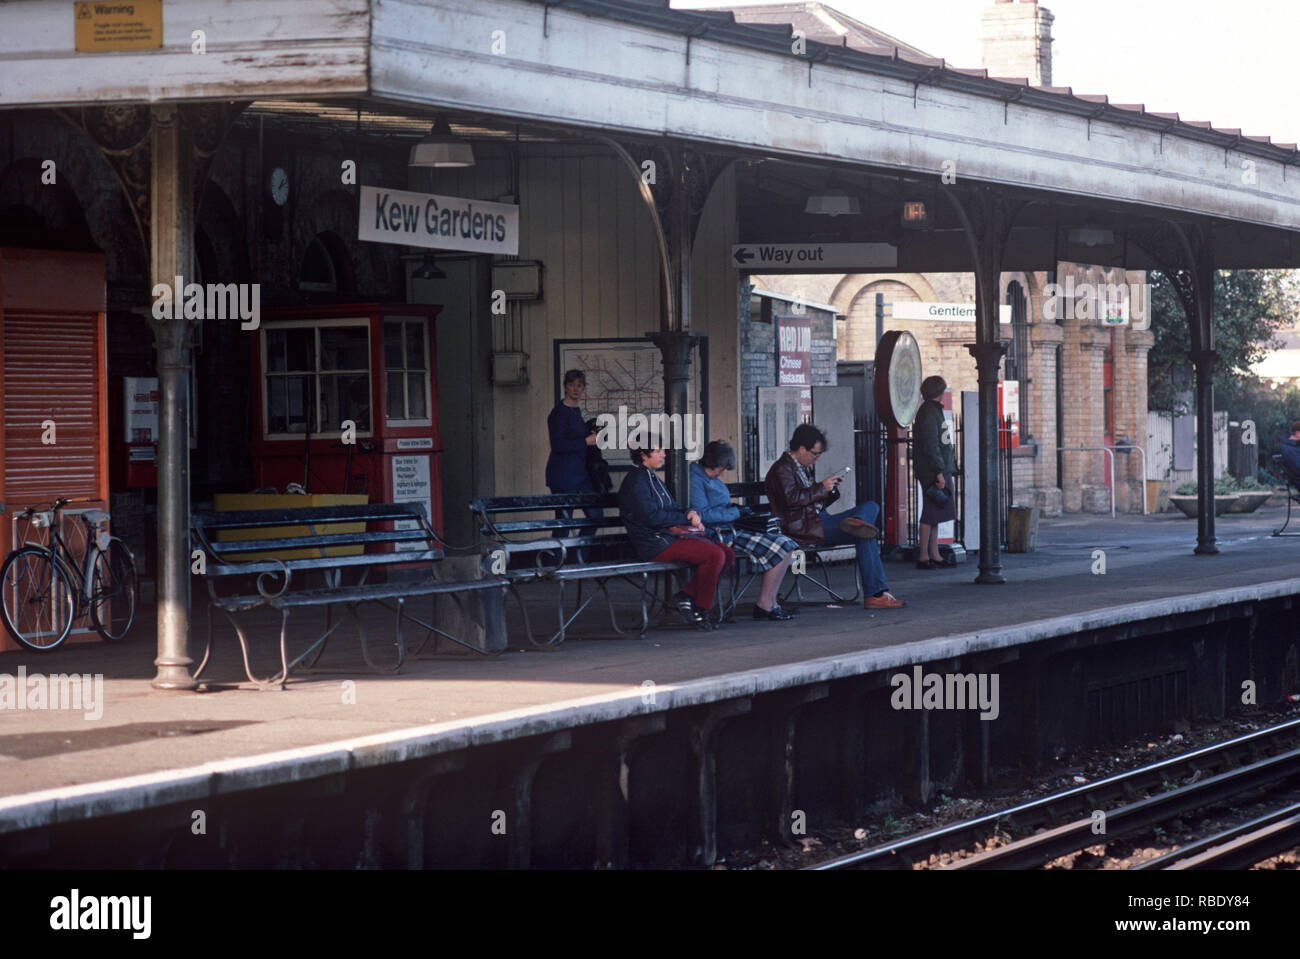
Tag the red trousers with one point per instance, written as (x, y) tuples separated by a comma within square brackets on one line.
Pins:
[(710, 561)]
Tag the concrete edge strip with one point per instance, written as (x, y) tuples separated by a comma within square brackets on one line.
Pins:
[(199, 783)]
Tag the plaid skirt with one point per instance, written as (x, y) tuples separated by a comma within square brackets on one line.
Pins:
[(765, 550)]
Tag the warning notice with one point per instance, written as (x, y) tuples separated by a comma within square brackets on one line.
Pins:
[(411, 485), (132, 25)]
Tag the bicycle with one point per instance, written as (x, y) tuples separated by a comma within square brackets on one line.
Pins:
[(36, 582)]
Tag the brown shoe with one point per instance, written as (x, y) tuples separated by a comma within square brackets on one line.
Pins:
[(858, 527), (883, 601)]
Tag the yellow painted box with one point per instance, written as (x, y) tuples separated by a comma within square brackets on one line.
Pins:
[(229, 502)]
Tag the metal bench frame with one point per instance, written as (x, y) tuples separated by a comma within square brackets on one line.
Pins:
[(754, 495), (274, 577), (559, 559), (1292, 498)]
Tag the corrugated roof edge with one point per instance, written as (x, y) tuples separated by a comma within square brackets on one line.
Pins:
[(775, 39)]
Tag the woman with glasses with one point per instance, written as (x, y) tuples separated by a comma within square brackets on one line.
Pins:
[(769, 552)]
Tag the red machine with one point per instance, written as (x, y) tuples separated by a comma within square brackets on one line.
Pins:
[(345, 400)]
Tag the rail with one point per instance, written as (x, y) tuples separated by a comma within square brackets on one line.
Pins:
[(1110, 463)]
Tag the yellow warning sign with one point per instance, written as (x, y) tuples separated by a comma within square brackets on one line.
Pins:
[(121, 25)]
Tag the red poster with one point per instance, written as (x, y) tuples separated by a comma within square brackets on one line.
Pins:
[(794, 358)]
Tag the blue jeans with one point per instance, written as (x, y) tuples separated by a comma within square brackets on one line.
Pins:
[(873, 571)]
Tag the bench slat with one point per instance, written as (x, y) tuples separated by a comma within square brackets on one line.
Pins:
[(318, 541), (223, 568), (315, 515)]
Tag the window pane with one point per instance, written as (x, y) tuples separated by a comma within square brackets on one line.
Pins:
[(344, 348), (345, 397), (275, 351), (393, 345), (415, 396), (299, 348), (415, 346), (395, 402), (287, 404)]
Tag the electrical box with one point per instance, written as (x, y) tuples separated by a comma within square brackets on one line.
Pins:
[(510, 369)]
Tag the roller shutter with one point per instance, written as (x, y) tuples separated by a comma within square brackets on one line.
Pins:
[(50, 365)]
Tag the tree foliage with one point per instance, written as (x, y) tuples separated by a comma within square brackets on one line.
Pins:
[(1249, 307)]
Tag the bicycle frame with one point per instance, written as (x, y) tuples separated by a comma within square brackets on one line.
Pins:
[(61, 554)]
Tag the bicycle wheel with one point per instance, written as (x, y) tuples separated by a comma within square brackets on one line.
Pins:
[(37, 598), (114, 591)]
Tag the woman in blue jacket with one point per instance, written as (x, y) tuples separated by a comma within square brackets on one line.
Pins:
[(769, 552), (566, 467)]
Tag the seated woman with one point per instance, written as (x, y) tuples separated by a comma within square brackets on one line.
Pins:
[(770, 552), (649, 513)]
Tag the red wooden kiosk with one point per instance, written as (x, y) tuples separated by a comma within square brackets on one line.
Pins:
[(345, 401)]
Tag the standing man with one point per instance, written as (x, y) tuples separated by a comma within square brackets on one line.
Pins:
[(800, 501)]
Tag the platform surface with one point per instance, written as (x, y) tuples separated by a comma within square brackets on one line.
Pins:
[(1148, 560)]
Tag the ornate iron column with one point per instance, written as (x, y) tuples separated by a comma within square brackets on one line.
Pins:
[(674, 182), (1186, 257), (171, 255), (986, 219)]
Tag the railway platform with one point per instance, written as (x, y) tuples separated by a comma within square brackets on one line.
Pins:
[(146, 749)]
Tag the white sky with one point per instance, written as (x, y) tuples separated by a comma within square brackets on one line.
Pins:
[(1232, 63)]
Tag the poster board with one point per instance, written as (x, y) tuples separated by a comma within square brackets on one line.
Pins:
[(629, 372), (778, 415), (833, 414)]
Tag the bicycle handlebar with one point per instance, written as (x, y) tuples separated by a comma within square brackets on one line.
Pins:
[(59, 503)]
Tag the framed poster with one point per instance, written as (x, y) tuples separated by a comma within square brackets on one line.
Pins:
[(628, 373)]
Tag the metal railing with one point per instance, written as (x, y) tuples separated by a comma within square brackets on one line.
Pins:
[(1110, 463)]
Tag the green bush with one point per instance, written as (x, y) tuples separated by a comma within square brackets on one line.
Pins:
[(1223, 486)]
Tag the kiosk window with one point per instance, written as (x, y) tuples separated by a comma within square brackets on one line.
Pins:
[(317, 377), (406, 366)]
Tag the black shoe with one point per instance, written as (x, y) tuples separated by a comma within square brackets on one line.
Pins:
[(777, 613), (928, 564), (684, 603)]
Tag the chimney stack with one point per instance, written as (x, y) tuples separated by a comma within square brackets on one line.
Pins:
[(1016, 40)]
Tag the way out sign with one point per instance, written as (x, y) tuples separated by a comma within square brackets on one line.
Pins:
[(812, 257), (437, 222)]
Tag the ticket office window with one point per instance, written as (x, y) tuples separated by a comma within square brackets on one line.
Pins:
[(406, 371), (316, 376)]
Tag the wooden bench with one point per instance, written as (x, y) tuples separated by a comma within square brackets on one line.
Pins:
[(526, 542), (269, 557), (1292, 497), (754, 495)]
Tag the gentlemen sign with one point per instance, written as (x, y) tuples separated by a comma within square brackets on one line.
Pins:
[(122, 25), (947, 312), (437, 222)]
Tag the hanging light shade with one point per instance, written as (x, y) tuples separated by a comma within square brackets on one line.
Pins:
[(428, 269), (441, 148), (833, 202)]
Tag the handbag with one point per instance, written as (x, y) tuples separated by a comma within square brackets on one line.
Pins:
[(686, 531), (936, 497), (759, 523)]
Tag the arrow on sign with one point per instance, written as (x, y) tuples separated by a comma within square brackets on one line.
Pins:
[(743, 256)]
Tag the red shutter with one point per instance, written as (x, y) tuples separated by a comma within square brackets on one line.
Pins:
[(50, 365)]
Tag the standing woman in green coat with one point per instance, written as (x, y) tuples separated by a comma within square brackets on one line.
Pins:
[(933, 465)]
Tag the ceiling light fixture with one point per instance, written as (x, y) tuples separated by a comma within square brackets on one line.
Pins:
[(441, 148), (833, 202)]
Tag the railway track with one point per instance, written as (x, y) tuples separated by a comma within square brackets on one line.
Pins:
[(1132, 802)]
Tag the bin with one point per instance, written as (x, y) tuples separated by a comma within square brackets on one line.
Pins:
[(1022, 529)]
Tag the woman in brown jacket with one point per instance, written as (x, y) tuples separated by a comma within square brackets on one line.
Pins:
[(800, 501)]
